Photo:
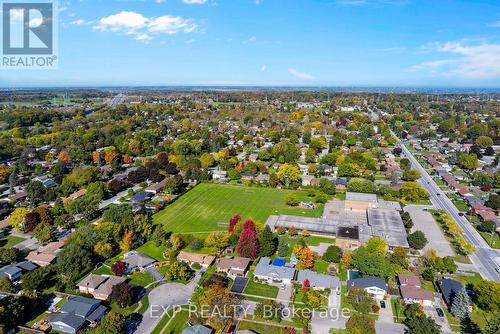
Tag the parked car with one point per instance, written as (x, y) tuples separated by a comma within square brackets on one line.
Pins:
[(439, 312), (282, 286), (382, 304)]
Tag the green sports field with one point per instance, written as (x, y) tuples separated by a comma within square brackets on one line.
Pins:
[(208, 207)]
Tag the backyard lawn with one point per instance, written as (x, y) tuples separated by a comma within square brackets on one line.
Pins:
[(208, 207), (141, 279), (10, 241), (259, 289), (150, 249)]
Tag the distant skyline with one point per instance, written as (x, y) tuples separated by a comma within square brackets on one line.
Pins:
[(369, 43)]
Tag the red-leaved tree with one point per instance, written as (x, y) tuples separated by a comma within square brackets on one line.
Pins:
[(306, 285), (248, 244), (119, 268), (232, 223)]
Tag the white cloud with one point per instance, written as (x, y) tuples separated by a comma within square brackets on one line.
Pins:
[(194, 2), (301, 75), (144, 28), (469, 61), (122, 21)]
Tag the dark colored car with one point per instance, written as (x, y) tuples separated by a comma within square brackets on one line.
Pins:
[(382, 304), (439, 312)]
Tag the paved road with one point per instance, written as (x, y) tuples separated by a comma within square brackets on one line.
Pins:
[(115, 199), (424, 222), (486, 259), (388, 328), (164, 297)]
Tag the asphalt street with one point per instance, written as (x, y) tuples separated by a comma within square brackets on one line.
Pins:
[(486, 259)]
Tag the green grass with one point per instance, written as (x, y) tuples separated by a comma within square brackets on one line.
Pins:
[(141, 279), (461, 205), (313, 240), (260, 289), (178, 323), (103, 270), (10, 241), (454, 322), (426, 285), (474, 279), (398, 316), (162, 323), (493, 242), (261, 328), (150, 249), (208, 207), (321, 266)]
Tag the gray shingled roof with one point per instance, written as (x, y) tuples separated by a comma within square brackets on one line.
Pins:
[(318, 280), (367, 282), (264, 268)]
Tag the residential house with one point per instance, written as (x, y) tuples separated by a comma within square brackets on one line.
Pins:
[(219, 175), (306, 180), (76, 313), (409, 286), (375, 286), (262, 178), (272, 273), (197, 329), (137, 261), (192, 258), (319, 281), (141, 197), (47, 181), (156, 188), (340, 184), (14, 271), (247, 176), (234, 266), (449, 289), (77, 194), (47, 254), (99, 286)]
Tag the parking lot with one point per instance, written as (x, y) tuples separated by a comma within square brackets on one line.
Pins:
[(424, 222)]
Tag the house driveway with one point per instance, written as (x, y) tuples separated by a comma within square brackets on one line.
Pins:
[(424, 222), (285, 294), (162, 298), (385, 314)]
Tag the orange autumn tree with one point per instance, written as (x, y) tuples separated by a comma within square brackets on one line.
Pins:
[(96, 157), (305, 256), (111, 154), (64, 156)]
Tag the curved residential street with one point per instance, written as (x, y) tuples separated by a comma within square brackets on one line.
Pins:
[(164, 297)]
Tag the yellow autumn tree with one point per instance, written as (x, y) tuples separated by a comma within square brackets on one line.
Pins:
[(127, 241), (305, 257)]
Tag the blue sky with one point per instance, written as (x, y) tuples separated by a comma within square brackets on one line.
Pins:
[(273, 42)]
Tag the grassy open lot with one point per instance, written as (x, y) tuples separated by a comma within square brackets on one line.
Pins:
[(260, 289), (178, 323), (141, 279), (261, 328), (150, 249), (208, 207), (461, 205), (10, 241), (493, 241)]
